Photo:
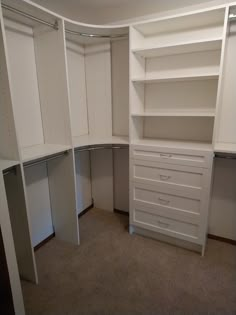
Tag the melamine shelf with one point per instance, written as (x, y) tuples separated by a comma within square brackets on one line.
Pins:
[(177, 113), (179, 48), (223, 147), (88, 140), (5, 164), (156, 79), (193, 145), (42, 150)]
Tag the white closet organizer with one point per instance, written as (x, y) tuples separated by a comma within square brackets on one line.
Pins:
[(175, 65), (98, 86)]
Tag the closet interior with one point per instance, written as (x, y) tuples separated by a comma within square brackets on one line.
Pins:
[(125, 118)]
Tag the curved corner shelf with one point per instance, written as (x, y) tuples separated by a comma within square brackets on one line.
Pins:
[(5, 164), (87, 140)]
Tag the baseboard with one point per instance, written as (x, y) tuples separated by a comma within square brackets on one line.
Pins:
[(121, 212), (222, 239), (85, 210), (44, 242)]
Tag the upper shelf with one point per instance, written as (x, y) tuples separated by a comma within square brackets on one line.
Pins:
[(5, 164), (222, 147), (42, 150), (156, 79), (177, 113), (88, 140), (179, 48)]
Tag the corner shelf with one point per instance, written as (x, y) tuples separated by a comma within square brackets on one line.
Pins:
[(5, 164), (177, 113), (156, 79), (222, 147), (179, 48), (87, 140), (41, 150)]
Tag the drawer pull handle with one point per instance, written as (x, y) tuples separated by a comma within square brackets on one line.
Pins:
[(164, 224), (165, 177), (164, 201), (165, 155)]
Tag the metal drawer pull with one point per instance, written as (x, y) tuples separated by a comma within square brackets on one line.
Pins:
[(165, 155), (164, 224), (164, 177), (164, 201)]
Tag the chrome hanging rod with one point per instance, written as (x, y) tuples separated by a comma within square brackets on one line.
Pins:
[(10, 171), (29, 16), (232, 16), (101, 148), (43, 160), (96, 35), (225, 156)]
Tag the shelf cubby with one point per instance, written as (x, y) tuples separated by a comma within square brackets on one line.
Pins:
[(38, 85)]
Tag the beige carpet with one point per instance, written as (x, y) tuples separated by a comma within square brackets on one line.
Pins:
[(115, 273)]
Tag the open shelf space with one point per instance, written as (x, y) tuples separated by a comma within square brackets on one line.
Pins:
[(39, 101), (179, 48), (41, 151), (198, 26), (177, 113)]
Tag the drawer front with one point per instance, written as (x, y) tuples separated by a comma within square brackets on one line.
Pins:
[(165, 225), (172, 156), (167, 197), (155, 173)]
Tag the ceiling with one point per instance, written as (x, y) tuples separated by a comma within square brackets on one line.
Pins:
[(109, 11)]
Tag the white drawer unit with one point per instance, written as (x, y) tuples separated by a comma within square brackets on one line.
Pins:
[(187, 157), (170, 175), (169, 192)]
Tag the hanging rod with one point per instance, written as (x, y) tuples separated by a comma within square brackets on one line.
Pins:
[(29, 16), (232, 16), (10, 171), (95, 35), (43, 160)]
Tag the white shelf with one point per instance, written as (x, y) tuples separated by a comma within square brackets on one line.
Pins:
[(177, 113), (156, 79), (41, 151), (222, 147), (179, 48), (88, 140), (5, 164), (193, 145)]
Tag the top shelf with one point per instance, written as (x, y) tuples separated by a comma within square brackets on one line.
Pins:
[(5, 164), (179, 48)]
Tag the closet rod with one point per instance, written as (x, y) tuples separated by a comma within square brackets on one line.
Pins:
[(10, 171), (43, 160), (101, 148), (95, 35), (227, 157), (232, 17), (29, 16)]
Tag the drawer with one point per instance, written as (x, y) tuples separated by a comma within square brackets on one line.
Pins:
[(171, 198), (177, 156), (167, 174), (166, 225)]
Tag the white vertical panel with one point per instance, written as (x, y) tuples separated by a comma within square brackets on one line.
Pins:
[(36, 178), (63, 198), (8, 140), (222, 219), (24, 84), (83, 180), (51, 67), (121, 179), (77, 86), (10, 252), (120, 87), (102, 179), (20, 225), (98, 79)]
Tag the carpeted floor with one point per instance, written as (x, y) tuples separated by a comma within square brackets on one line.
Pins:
[(115, 273)]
